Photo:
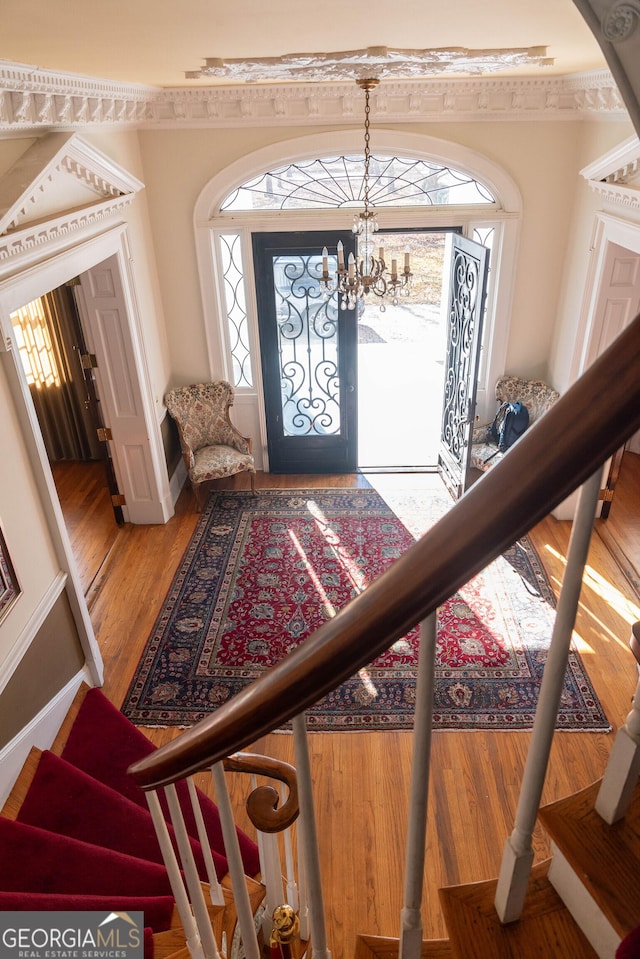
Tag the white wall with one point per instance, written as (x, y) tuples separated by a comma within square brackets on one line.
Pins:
[(22, 521)]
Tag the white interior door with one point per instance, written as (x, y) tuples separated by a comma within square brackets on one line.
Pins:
[(618, 298), (135, 443), (617, 304)]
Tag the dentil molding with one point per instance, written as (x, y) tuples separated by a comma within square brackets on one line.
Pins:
[(37, 100), (34, 210), (616, 175)]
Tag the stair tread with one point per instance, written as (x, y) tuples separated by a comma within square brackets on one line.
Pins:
[(605, 857), (545, 928), (158, 910), (95, 813), (382, 947), (101, 725), (167, 943), (62, 865)]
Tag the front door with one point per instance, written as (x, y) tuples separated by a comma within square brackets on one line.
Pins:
[(469, 262), (308, 346)]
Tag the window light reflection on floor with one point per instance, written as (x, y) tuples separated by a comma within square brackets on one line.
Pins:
[(350, 567), (623, 607)]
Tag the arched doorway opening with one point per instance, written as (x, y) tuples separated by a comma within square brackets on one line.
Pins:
[(225, 234)]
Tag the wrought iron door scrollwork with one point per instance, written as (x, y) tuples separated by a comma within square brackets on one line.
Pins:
[(461, 333), (307, 345)]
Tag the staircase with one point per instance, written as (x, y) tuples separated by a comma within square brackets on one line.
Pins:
[(108, 859), (76, 834)]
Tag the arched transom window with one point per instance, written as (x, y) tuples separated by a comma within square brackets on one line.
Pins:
[(338, 182)]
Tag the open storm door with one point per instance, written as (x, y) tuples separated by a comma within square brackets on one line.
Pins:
[(308, 347), (468, 265)]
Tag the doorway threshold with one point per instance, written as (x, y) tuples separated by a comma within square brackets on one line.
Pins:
[(397, 469)]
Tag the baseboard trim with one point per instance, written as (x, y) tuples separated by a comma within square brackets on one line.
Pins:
[(177, 481), (40, 732)]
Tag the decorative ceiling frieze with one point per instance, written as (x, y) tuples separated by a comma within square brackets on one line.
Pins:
[(33, 100), (384, 63)]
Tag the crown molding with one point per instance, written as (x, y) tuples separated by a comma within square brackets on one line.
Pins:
[(33, 100)]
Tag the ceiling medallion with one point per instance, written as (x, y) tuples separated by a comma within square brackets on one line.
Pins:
[(382, 62)]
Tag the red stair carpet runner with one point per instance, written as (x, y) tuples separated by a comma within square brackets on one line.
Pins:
[(83, 838)]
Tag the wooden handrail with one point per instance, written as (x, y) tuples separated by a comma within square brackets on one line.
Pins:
[(264, 805), (556, 455)]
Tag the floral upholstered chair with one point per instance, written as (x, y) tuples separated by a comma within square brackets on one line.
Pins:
[(534, 394), (211, 446)]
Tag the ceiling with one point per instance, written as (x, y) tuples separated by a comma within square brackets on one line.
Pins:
[(155, 42)]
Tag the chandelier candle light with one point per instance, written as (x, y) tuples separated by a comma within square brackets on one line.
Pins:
[(368, 272)]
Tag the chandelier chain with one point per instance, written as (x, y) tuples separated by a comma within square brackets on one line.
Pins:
[(368, 273), (367, 150)]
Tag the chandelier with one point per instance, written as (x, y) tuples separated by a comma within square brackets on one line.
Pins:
[(368, 272)]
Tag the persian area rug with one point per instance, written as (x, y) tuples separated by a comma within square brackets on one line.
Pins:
[(261, 573)]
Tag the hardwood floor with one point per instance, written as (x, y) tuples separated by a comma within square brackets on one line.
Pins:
[(621, 531), (362, 779), (86, 504)]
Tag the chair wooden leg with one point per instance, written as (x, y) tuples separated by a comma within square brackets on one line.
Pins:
[(252, 477)]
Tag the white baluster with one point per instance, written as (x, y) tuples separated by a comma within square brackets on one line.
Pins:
[(209, 945), (303, 913), (308, 838), (410, 918), (292, 888), (183, 905), (623, 767), (518, 852), (259, 834), (272, 879), (217, 895), (236, 866)]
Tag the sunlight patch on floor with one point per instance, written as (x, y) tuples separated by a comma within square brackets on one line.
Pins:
[(618, 603)]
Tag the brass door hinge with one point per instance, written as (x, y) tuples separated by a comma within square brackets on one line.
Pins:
[(118, 500), (606, 495), (104, 434), (89, 361)]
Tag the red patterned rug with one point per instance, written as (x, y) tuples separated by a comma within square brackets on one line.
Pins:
[(261, 573)]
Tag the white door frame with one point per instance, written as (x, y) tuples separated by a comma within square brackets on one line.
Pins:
[(608, 230), (36, 275)]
